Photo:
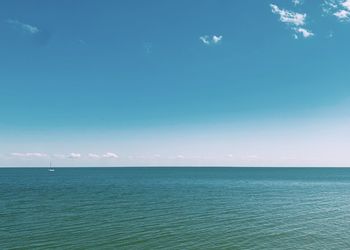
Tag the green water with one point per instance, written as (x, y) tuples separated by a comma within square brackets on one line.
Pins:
[(175, 208)]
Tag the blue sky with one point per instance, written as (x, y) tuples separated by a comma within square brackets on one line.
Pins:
[(114, 83)]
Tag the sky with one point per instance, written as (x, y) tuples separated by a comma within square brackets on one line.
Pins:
[(174, 83)]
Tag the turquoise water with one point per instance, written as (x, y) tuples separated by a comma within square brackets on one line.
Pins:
[(175, 208)]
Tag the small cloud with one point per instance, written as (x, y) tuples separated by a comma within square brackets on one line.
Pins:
[(217, 39), (331, 3), (74, 155), (180, 157), (304, 32), (208, 40), (328, 6), (297, 2), (338, 8), (60, 156), (252, 156), (18, 154), (148, 47), (346, 4), (205, 39), (294, 20), (94, 156), (342, 15), (289, 17), (82, 42), (106, 155), (110, 155), (27, 28)]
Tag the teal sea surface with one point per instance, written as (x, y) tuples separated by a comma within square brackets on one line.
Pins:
[(175, 208)]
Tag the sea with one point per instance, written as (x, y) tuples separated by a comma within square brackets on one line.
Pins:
[(175, 208)]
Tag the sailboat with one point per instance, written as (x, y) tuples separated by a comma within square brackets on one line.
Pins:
[(51, 169)]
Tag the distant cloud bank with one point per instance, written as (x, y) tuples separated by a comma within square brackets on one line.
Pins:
[(72, 155), (29, 154)]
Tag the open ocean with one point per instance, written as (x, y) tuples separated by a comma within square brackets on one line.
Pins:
[(175, 208)]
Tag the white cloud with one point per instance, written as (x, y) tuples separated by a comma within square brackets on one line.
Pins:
[(74, 155), (217, 39), (68, 156), (297, 2), (331, 3), (23, 26), (180, 157), (94, 156), (342, 14), (208, 40), (60, 156), (106, 155), (304, 32), (29, 154), (82, 42), (252, 157), (294, 20), (346, 4), (110, 155), (289, 17), (148, 47), (338, 8), (205, 39)]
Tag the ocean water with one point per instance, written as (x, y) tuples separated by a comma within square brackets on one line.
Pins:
[(175, 208)]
